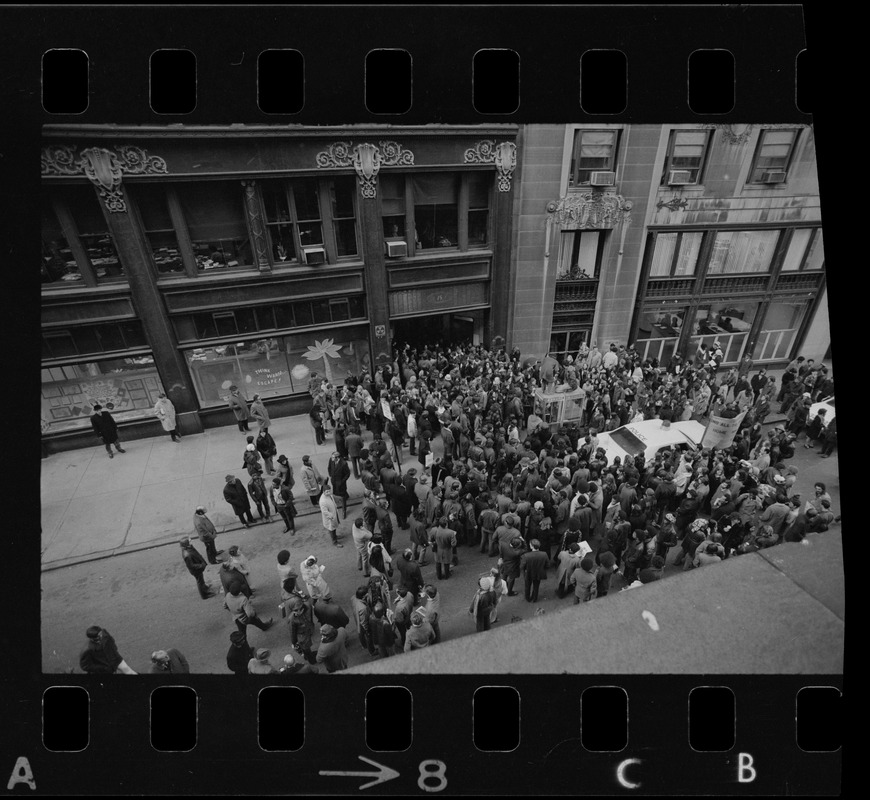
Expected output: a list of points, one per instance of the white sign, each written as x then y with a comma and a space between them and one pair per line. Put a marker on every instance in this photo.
721, 431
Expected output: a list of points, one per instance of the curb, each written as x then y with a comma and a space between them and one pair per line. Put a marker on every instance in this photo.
50, 566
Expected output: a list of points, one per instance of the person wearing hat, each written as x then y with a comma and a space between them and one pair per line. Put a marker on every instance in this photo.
206, 531
332, 652
509, 562
312, 576
251, 457
106, 428
533, 565
259, 664
239, 654
229, 574
259, 493
282, 499
259, 413
170, 660
237, 497
293, 667
101, 656
300, 624
482, 604
239, 405
419, 634
196, 565
409, 570
339, 475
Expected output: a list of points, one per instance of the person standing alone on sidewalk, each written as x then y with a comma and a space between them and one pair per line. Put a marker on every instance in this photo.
165, 412
106, 428
237, 497
239, 405
195, 564
207, 533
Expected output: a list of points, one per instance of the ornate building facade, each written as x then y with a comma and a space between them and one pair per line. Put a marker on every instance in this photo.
667, 237
188, 259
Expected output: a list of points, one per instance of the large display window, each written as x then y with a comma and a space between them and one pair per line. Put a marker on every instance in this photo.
659, 331
779, 330
726, 323
126, 387
741, 252
279, 365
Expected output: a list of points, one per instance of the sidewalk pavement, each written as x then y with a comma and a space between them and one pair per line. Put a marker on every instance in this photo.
95, 507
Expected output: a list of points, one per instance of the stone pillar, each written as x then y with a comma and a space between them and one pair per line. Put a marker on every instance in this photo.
255, 225
376, 280
134, 255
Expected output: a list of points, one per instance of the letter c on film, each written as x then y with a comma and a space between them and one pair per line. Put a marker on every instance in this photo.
620, 773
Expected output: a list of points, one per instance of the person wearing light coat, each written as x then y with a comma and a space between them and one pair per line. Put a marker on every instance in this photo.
329, 515
165, 412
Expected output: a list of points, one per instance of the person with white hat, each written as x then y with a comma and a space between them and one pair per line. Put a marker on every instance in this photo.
293, 667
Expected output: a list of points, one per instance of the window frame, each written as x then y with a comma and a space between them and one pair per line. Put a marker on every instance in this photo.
751, 180
815, 232
675, 258
599, 251
669, 155
574, 169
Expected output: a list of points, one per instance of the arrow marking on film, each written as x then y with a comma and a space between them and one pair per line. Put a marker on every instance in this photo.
383, 774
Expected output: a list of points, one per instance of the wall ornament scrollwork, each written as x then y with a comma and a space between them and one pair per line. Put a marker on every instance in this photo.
366, 159
503, 155
593, 210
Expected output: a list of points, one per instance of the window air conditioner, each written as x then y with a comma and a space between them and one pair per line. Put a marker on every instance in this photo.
679, 177
774, 176
314, 255
396, 248
602, 179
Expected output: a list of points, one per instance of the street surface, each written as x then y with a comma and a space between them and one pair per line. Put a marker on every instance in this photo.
147, 600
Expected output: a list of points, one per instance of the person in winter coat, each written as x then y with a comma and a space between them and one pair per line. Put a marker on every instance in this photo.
106, 428
411, 575
584, 580
285, 472
101, 656
339, 474
282, 499
312, 575
312, 481
315, 416
239, 405
230, 574
482, 604
265, 445
329, 515
300, 624
509, 561
259, 413
420, 633
207, 533
239, 654
237, 497
259, 494
196, 565
170, 660
568, 560
332, 652
443, 541
165, 412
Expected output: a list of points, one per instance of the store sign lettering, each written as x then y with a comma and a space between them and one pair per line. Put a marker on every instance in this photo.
270, 377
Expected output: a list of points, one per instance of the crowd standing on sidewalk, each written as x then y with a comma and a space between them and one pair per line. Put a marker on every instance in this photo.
542, 503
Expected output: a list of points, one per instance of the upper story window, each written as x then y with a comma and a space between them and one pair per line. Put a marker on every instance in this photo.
676, 254
687, 154
297, 226
436, 209
594, 151
773, 156
479, 186
215, 216
159, 227
805, 251
580, 255
77, 247
738, 252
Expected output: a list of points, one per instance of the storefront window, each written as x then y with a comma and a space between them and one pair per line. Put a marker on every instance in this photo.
126, 387
436, 210
739, 252
392, 191
159, 230
726, 323
277, 366
478, 208
779, 330
93, 230
214, 212
676, 254
58, 263
659, 331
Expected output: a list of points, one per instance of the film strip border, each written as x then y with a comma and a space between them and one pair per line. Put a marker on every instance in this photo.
460, 734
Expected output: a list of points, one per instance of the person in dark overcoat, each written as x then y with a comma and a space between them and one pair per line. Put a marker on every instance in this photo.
229, 574
509, 561
533, 564
106, 428
339, 474
196, 565
400, 502
236, 495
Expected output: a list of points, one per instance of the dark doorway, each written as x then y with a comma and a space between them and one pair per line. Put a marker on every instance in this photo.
443, 329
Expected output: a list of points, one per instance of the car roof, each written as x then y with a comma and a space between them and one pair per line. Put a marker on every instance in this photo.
654, 434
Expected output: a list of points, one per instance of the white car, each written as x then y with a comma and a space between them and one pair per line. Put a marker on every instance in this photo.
828, 404
649, 437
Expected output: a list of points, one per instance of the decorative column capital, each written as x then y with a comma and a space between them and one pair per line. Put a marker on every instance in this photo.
102, 167
366, 159
503, 155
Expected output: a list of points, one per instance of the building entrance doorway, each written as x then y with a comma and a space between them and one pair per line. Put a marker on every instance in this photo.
443, 329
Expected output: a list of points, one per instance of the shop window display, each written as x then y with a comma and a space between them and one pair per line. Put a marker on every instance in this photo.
727, 323
277, 366
127, 387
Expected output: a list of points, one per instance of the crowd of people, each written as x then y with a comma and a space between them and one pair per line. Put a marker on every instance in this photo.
541, 500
